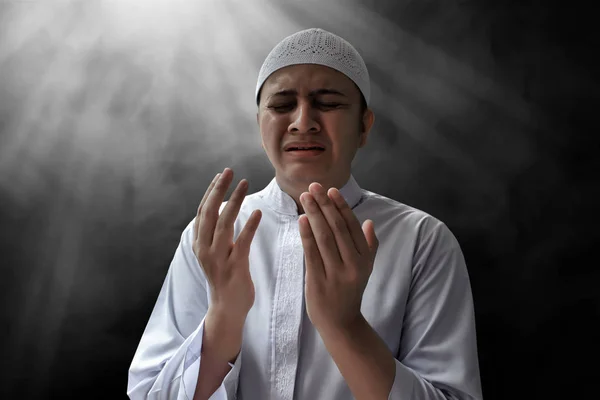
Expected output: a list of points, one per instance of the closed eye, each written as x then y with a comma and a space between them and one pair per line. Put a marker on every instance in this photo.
289, 107
329, 105
282, 108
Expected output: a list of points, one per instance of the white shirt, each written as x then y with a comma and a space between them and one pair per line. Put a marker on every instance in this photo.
418, 299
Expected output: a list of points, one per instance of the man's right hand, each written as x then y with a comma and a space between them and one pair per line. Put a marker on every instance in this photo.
225, 263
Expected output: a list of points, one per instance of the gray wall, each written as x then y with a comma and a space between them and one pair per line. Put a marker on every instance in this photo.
115, 115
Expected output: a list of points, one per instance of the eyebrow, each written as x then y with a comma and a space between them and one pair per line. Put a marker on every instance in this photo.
293, 92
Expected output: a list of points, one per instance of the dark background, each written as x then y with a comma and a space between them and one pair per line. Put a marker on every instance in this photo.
114, 116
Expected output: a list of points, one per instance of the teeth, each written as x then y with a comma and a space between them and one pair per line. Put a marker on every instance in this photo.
305, 148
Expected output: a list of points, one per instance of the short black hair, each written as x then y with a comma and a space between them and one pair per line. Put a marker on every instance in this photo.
361, 114
363, 104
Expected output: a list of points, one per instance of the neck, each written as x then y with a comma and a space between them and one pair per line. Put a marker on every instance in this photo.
296, 188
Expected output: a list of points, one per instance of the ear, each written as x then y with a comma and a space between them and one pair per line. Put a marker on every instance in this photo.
367, 123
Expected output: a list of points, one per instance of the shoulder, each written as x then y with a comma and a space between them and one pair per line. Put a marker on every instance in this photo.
423, 226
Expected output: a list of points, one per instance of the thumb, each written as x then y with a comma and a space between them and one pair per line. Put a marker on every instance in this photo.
369, 230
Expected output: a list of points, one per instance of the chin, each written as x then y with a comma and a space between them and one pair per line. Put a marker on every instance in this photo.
307, 179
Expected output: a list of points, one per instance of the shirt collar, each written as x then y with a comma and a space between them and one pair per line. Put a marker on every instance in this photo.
283, 203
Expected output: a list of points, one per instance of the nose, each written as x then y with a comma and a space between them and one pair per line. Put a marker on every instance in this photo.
303, 119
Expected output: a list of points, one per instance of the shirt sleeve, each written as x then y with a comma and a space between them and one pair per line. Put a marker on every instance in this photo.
438, 350
167, 360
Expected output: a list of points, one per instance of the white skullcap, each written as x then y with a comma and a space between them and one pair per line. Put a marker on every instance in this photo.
317, 46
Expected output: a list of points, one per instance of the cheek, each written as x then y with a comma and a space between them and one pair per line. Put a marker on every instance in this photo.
271, 138
344, 136
273, 131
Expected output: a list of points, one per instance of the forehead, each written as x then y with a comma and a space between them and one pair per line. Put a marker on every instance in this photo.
307, 76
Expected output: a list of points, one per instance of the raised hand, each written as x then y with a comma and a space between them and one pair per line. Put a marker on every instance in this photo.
225, 263
339, 258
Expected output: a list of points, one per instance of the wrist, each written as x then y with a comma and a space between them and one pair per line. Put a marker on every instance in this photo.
223, 334
344, 331
225, 318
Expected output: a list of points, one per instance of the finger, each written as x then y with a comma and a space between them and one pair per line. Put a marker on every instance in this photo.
345, 244
353, 224
314, 262
206, 193
210, 209
369, 230
242, 244
224, 228
321, 231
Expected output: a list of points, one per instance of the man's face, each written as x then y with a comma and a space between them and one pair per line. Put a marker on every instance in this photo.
312, 105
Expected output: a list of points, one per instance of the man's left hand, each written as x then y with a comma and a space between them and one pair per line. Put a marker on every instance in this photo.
339, 259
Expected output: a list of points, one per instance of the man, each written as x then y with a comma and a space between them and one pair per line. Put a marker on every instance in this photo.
324, 293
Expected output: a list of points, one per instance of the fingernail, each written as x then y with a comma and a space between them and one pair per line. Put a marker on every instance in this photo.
307, 198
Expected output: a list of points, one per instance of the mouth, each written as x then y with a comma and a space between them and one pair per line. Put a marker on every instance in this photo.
305, 152
302, 149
